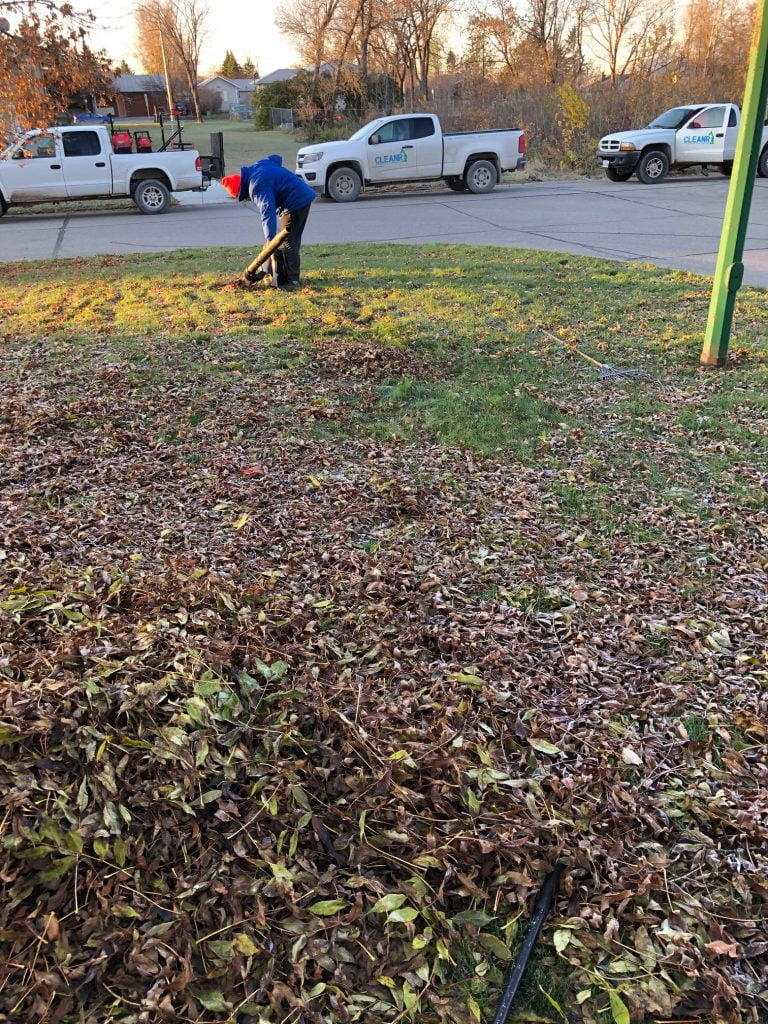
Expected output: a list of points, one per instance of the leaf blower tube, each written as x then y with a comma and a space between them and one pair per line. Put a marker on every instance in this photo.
540, 911
253, 273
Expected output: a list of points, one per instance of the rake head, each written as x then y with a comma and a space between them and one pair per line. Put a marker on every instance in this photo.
608, 372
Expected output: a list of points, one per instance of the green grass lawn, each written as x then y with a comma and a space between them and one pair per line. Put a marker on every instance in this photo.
242, 143
330, 620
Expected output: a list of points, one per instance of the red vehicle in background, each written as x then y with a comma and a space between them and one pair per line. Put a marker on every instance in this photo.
178, 110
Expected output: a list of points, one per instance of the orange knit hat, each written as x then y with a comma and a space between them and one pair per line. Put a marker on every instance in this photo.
232, 184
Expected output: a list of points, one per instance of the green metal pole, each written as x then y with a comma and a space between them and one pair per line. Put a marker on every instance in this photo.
729, 272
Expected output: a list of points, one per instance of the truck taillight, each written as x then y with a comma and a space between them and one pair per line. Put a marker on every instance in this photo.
198, 164
522, 142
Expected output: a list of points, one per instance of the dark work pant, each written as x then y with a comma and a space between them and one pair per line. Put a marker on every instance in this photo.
288, 256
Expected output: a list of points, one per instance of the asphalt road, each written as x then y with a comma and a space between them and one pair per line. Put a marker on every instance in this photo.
675, 224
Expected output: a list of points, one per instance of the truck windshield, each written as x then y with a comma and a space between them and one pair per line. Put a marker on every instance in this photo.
362, 132
18, 142
674, 118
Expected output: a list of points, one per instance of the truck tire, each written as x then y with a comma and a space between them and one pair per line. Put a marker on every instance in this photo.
3, 207
151, 196
727, 168
456, 184
762, 164
613, 175
653, 167
481, 177
344, 185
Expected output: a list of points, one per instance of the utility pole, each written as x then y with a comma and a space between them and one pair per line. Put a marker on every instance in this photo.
165, 70
729, 271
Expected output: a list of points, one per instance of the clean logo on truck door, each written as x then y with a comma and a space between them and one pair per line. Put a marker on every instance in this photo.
392, 158
710, 139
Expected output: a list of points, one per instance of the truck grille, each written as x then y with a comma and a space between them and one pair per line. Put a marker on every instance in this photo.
609, 145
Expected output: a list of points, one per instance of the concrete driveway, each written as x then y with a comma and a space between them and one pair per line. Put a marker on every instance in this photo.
675, 224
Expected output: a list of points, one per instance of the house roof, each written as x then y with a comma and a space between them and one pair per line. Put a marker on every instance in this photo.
243, 84
330, 67
139, 83
281, 75
327, 67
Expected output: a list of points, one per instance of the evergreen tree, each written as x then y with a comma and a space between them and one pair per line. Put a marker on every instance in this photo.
230, 68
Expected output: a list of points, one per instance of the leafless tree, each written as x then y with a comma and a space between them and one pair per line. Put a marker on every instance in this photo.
184, 26
555, 27
541, 40
309, 26
149, 52
618, 30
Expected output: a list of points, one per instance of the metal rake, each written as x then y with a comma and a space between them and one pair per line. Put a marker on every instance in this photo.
607, 372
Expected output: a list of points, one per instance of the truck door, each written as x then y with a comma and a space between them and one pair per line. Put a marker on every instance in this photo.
34, 171
87, 170
391, 153
702, 139
410, 147
731, 132
428, 144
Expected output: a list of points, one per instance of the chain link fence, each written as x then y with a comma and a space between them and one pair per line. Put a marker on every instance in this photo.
241, 112
282, 117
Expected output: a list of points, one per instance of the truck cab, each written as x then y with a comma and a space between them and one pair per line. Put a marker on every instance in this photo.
695, 133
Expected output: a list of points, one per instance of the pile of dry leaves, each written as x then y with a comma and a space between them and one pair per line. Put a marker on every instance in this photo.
292, 730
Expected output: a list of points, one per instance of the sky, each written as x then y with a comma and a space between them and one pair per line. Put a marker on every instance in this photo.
245, 28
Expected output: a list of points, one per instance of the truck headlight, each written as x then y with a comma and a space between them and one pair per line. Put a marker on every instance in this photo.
312, 158
628, 147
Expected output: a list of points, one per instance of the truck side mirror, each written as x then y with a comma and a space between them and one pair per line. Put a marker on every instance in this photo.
694, 124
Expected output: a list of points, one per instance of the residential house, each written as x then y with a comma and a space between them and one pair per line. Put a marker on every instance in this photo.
139, 95
281, 75
327, 67
233, 91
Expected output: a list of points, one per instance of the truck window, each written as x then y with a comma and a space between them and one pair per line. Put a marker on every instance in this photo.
392, 131
712, 117
81, 144
674, 118
423, 127
39, 148
732, 118
404, 130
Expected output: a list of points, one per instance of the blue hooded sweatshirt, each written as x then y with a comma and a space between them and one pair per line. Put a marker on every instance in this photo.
274, 189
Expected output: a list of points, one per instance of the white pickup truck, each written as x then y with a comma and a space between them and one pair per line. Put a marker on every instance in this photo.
410, 147
696, 134
77, 162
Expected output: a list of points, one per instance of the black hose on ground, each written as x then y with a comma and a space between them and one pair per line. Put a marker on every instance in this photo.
540, 911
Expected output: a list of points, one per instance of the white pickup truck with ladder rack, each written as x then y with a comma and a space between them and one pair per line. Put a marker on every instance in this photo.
77, 162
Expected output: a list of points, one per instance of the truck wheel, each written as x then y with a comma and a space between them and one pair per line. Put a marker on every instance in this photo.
727, 168
456, 184
344, 185
151, 196
613, 175
3, 207
481, 177
762, 164
653, 167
